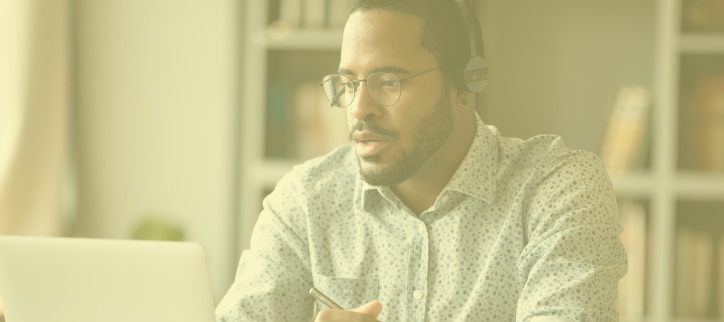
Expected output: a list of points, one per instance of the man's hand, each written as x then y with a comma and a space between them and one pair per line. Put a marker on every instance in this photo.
364, 313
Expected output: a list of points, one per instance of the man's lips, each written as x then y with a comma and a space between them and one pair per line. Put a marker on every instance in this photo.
369, 143
370, 148
368, 136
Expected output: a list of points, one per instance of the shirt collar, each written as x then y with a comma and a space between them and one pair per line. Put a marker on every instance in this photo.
476, 174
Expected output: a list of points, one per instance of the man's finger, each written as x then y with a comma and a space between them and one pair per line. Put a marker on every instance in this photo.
371, 308
337, 315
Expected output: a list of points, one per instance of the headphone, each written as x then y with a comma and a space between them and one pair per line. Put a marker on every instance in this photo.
471, 73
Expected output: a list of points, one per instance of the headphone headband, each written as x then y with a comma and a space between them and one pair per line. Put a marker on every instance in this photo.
468, 24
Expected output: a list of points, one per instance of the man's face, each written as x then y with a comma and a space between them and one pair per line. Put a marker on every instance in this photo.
392, 142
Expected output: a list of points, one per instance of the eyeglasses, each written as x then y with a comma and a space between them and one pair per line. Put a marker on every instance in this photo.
340, 90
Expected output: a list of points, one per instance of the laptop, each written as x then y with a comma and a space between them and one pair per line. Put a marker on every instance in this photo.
94, 280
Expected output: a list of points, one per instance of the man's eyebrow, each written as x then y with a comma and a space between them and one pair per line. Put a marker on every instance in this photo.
383, 69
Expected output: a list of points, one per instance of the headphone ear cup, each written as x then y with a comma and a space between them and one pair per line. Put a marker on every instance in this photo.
471, 74
460, 75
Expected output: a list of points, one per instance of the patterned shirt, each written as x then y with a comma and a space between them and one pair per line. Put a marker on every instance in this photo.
524, 231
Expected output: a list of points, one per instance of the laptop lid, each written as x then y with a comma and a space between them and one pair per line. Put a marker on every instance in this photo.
91, 280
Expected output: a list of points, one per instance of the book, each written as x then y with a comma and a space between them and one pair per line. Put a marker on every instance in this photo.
630, 303
273, 11
338, 13
703, 15
318, 128
626, 130
277, 129
290, 12
710, 130
721, 277
694, 254
702, 253
683, 288
313, 17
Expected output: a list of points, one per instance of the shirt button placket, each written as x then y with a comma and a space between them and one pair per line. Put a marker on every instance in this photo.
417, 295
421, 228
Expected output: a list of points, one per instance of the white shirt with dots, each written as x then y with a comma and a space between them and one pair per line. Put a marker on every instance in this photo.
526, 230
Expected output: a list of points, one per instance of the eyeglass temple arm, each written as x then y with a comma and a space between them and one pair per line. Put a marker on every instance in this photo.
418, 74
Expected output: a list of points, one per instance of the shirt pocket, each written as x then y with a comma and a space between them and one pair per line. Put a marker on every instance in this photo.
348, 292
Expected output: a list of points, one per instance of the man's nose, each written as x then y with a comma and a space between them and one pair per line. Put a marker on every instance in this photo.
363, 105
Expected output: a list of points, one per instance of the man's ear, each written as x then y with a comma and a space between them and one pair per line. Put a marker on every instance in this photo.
459, 98
464, 99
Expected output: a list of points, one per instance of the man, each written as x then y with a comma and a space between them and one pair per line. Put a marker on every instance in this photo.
429, 215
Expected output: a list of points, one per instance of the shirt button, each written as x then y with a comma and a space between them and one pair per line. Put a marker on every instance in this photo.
445, 199
417, 295
421, 227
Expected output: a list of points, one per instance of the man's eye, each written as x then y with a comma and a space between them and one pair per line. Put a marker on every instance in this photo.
349, 86
388, 84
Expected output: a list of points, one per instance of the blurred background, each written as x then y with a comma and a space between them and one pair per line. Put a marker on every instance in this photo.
171, 120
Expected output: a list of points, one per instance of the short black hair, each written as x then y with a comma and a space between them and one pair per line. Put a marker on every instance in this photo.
444, 32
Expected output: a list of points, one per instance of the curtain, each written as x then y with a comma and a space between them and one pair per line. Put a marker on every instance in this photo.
34, 104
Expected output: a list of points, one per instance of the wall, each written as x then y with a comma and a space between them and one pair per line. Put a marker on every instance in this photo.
155, 100
556, 65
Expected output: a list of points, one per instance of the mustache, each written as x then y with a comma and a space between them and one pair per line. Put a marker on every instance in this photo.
372, 127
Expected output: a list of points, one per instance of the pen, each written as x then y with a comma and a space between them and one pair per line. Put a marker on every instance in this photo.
317, 294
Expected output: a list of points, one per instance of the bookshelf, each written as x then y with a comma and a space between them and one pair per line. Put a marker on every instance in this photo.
663, 187
674, 188
266, 47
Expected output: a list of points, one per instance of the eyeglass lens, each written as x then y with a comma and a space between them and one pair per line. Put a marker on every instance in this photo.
340, 90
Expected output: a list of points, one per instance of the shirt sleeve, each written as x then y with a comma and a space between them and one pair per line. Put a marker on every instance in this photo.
549, 319
274, 277
574, 258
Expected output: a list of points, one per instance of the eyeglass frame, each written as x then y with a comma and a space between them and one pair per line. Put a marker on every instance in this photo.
357, 81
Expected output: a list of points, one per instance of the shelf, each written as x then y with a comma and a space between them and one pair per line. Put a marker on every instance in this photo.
690, 185
693, 185
298, 39
702, 43
635, 184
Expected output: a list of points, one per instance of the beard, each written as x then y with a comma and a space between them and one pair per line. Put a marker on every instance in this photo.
429, 135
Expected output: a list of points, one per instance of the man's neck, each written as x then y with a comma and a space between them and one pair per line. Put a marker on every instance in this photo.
420, 191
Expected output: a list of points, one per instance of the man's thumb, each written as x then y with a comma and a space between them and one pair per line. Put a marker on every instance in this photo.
371, 308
